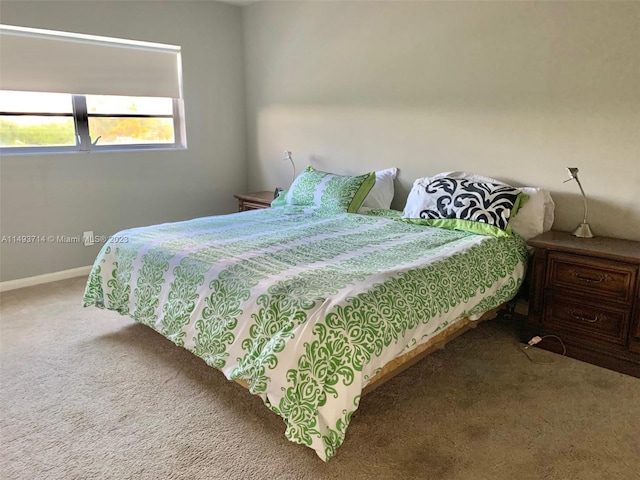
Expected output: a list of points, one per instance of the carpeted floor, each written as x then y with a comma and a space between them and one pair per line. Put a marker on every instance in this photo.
88, 394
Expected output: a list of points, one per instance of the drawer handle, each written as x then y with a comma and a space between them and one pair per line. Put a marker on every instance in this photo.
582, 317
589, 279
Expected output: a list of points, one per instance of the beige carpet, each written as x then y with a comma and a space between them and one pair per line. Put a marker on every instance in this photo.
88, 394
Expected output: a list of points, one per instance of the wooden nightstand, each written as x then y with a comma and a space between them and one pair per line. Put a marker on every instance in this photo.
254, 201
587, 292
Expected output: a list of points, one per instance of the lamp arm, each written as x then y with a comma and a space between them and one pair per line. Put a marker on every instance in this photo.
287, 156
584, 198
293, 166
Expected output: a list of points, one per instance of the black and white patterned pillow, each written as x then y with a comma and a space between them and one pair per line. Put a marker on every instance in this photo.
460, 199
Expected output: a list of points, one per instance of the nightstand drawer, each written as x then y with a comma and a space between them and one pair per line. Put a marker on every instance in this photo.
252, 206
604, 278
254, 201
597, 322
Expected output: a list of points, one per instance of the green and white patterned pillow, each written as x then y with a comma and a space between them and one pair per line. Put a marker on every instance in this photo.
327, 191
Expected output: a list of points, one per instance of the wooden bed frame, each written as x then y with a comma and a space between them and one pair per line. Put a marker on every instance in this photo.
438, 342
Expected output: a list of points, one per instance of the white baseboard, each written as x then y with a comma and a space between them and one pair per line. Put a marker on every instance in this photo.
46, 278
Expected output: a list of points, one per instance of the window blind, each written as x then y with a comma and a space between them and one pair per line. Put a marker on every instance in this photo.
38, 60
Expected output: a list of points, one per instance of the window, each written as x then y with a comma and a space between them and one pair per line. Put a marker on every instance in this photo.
129, 120
36, 121
69, 92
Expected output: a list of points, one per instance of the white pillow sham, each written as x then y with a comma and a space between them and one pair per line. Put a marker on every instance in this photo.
381, 195
533, 218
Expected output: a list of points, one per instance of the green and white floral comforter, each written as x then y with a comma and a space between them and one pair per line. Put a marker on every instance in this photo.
304, 307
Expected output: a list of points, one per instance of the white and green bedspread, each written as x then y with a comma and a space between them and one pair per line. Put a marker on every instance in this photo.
304, 307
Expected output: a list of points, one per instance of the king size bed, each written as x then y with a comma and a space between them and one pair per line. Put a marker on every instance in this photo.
308, 305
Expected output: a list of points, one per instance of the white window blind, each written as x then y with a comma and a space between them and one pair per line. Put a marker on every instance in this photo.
38, 60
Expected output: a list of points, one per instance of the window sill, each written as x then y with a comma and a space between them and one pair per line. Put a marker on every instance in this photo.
10, 152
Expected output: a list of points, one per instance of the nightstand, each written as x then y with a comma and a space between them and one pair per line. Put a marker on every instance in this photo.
254, 201
587, 292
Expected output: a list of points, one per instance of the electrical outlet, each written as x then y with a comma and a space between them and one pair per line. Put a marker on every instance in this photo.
87, 238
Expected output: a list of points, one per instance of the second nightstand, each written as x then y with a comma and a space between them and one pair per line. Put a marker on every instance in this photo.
254, 201
587, 292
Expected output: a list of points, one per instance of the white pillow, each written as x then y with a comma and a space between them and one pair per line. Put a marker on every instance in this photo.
534, 218
529, 221
381, 195
549, 211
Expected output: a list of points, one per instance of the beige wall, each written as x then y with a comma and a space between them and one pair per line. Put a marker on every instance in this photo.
514, 90
107, 192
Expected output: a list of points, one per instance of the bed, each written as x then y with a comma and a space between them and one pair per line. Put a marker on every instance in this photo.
307, 307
